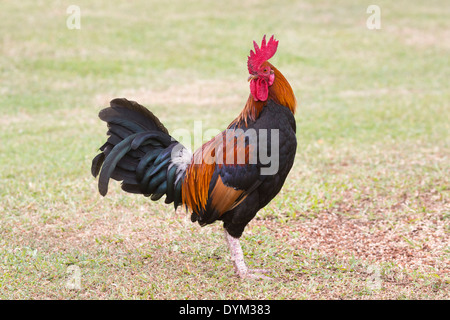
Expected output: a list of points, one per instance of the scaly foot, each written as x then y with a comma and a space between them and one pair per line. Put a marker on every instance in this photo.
238, 259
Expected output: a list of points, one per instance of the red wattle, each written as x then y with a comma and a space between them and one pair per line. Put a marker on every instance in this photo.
259, 89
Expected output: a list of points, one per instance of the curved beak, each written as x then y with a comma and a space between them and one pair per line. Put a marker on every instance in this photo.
252, 77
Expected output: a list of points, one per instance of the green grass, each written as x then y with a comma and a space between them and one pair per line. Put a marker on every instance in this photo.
369, 189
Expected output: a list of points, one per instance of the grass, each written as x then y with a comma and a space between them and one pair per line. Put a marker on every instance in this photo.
364, 214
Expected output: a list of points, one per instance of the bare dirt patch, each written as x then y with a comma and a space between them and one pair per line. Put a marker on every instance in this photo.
414, 245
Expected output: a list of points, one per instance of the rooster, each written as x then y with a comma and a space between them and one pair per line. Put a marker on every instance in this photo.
230, 178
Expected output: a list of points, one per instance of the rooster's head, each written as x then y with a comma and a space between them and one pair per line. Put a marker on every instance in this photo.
261, 73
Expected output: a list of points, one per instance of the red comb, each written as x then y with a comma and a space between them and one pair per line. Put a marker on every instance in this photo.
261, 54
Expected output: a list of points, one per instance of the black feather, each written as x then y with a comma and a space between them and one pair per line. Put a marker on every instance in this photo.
160, 191
131, 188
158, 158
113, 139
110, 163
133, 112
128, 177
161, 139
145, 160
128, 163
149, 186
153, 170
125, 124
170, 184
137, 153
119, 130
177, 194
97, 164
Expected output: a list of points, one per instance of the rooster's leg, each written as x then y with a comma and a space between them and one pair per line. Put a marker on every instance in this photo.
238, 259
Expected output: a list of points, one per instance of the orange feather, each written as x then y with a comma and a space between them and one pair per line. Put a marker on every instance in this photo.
224, 198
226, 148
